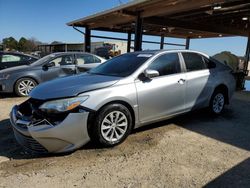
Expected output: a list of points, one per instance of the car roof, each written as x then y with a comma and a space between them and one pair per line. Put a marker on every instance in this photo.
174, 51
70, 53
62, 53
17, 53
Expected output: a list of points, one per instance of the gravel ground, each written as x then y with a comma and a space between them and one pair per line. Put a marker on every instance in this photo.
192, 150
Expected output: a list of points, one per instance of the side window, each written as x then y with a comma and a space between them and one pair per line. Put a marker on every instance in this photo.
193, 61
62, 60
166, 64
26, 58
10, 58
84, 59
209, 63
96, 59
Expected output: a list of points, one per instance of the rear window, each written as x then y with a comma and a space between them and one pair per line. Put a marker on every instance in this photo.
10, 58
193, 61
86, 59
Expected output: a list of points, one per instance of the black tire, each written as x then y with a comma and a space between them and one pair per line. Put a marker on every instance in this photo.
19, 83
217, 102
96, 132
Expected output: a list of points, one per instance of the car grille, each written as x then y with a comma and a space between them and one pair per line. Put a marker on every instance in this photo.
29, 143
30, 114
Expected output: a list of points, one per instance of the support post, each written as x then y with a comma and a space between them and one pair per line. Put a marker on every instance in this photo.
247, 58
240, 76
187, 43
162, 42
129, 42
66, 48
138, 33
87, 39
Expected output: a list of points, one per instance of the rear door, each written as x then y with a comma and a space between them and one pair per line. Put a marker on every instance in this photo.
164, 95
86, 62
197, 80
62, 66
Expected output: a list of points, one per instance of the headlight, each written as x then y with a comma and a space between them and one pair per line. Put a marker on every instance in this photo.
4, 76
62, 105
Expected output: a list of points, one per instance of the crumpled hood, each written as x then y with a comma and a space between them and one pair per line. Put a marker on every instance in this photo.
71, 86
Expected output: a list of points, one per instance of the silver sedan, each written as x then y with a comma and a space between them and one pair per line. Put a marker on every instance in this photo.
126, 92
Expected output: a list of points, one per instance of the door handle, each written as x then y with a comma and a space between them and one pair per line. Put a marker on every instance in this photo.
181, 81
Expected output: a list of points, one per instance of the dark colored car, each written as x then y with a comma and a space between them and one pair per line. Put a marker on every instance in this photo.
13, 59
23, 79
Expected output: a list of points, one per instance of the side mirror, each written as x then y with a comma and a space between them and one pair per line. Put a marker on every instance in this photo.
149, 73
50, 64
47, 65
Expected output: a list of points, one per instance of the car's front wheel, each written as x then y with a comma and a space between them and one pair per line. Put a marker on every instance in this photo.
112, 125
24, 86
217, 102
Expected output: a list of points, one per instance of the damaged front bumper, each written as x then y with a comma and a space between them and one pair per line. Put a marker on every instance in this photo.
43, 136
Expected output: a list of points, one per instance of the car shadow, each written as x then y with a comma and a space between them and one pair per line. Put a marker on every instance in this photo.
8, 145
238, 176
231, 127
7, 95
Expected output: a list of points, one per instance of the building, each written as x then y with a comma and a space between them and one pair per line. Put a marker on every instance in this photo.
117, 46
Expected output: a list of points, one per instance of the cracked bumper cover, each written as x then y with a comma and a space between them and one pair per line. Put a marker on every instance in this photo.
68, 135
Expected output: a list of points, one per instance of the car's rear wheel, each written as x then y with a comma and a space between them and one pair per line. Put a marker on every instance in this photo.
112, 125
217, 102
24, 86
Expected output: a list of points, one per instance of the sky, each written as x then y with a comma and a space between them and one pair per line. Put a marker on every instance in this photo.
46, 21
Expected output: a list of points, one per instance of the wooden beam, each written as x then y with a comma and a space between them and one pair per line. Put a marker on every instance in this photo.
179, 6
195, 26
226, 7
111, 21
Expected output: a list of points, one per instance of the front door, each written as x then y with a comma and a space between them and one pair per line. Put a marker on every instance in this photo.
59, 67
164, 95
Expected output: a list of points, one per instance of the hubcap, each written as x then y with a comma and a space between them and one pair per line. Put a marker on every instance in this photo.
25, 87
218, 103
114, 126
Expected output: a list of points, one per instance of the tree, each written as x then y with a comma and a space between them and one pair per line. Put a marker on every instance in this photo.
10, 43
23, 44
33, 43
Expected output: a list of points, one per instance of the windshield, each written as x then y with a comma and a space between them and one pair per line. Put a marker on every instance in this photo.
42, 60
121, 66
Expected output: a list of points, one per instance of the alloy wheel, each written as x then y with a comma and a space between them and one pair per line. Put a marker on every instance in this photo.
25, 86
114, 126
218, 103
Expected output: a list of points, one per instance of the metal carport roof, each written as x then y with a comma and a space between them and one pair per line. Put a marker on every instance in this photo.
175, 18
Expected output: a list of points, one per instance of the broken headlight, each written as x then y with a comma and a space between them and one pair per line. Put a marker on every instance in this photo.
62, 105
